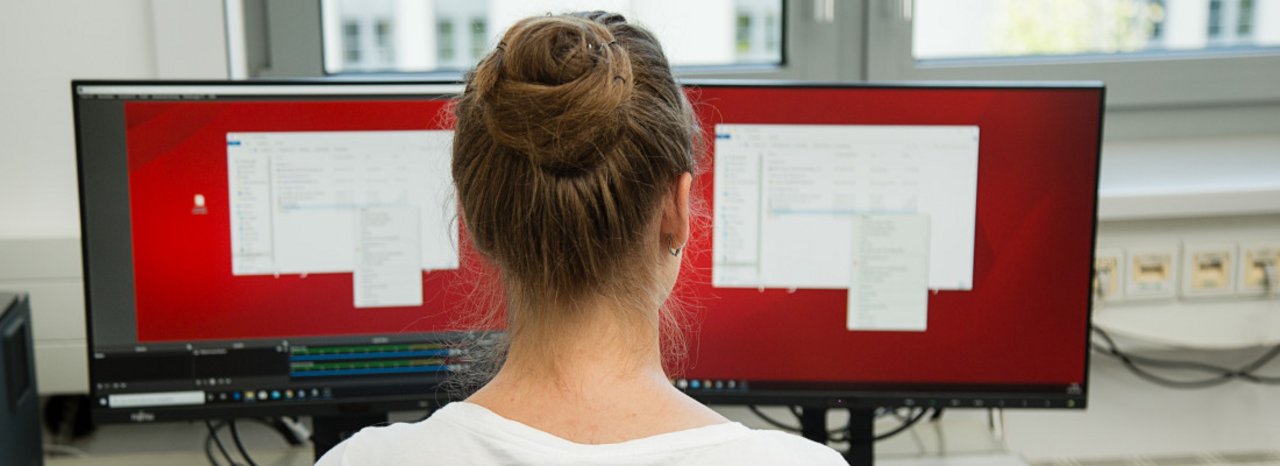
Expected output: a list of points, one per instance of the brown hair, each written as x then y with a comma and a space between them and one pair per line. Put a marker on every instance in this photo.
570, 134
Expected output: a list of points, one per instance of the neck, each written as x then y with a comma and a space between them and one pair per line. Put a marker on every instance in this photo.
607, 348
594, 380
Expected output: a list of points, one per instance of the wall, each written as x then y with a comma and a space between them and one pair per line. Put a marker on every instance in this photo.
47, 44
41, 55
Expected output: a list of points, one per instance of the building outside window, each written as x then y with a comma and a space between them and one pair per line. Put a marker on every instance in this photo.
1244, 19
351, 43
447, 52
1155, 13
440, 35
383, 40
1021, 28
1215, 19
742, 34
479, 39
772, 34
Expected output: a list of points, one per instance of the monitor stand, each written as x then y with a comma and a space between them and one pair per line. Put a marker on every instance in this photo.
813, 426
329, 430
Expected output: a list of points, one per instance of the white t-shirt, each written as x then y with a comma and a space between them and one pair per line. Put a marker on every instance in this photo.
463, 433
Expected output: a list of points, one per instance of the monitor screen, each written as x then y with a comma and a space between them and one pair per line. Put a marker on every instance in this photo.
293, 247
896, 245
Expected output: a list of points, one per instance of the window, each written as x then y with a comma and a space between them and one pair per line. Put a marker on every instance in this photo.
742, 34
1147, 52
1244, 19
1156, 11
712, 33
772, 34
1215, 19
1015, 28
479, 39
351, 43
382, 37
447, 52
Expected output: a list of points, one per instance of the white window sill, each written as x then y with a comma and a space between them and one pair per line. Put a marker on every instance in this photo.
1190, 178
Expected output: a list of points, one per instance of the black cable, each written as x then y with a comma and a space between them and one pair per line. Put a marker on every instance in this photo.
782, 425
1221, 374
208, 451
937, 414
213, 435
905, 425
235, 436
774, 422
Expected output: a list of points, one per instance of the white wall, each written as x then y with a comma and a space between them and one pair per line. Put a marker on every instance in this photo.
49, 43
46, 45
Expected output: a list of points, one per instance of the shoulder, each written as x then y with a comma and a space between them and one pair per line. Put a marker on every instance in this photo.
399, 443
779, 448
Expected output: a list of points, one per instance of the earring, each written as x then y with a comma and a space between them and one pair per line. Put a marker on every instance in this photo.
671, 247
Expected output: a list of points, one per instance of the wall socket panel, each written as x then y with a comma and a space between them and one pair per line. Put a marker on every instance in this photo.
1193, 270
1208, 269
1151, 272
1259, 262
1109, 273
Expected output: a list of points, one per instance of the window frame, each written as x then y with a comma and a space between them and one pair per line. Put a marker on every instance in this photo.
840, 41
1134, 81
812, 33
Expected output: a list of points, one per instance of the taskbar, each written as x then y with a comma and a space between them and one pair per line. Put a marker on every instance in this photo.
838, 394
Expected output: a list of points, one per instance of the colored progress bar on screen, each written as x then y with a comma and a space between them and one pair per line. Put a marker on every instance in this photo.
333, 361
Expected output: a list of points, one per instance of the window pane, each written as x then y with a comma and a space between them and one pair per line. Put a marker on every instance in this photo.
995, 28
430, 35
444, 40
479, 37
382, 36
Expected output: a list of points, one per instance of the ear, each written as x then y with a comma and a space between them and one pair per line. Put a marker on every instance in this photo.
675, 214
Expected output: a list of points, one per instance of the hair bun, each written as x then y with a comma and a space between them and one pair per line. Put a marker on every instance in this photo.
554, 90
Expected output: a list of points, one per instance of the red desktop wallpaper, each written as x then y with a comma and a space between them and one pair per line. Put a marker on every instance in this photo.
1024, 321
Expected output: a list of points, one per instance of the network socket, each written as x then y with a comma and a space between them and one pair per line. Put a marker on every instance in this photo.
1208, 269
1259, 264
1151, 272
1108, 274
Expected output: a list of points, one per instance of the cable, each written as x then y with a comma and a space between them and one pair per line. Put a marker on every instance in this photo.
235, 436
774, 422
784, 426
1220, 374
213, 436
208, 451
937, 414
905, 425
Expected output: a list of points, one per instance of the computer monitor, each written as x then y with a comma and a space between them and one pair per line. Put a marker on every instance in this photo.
258, 248
895, 245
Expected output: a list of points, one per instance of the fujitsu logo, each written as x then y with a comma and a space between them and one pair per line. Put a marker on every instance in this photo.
142, 416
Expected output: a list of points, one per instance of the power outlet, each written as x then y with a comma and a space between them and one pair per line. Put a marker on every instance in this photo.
1151, 272
1208, 269
1108, 274
1259, 263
